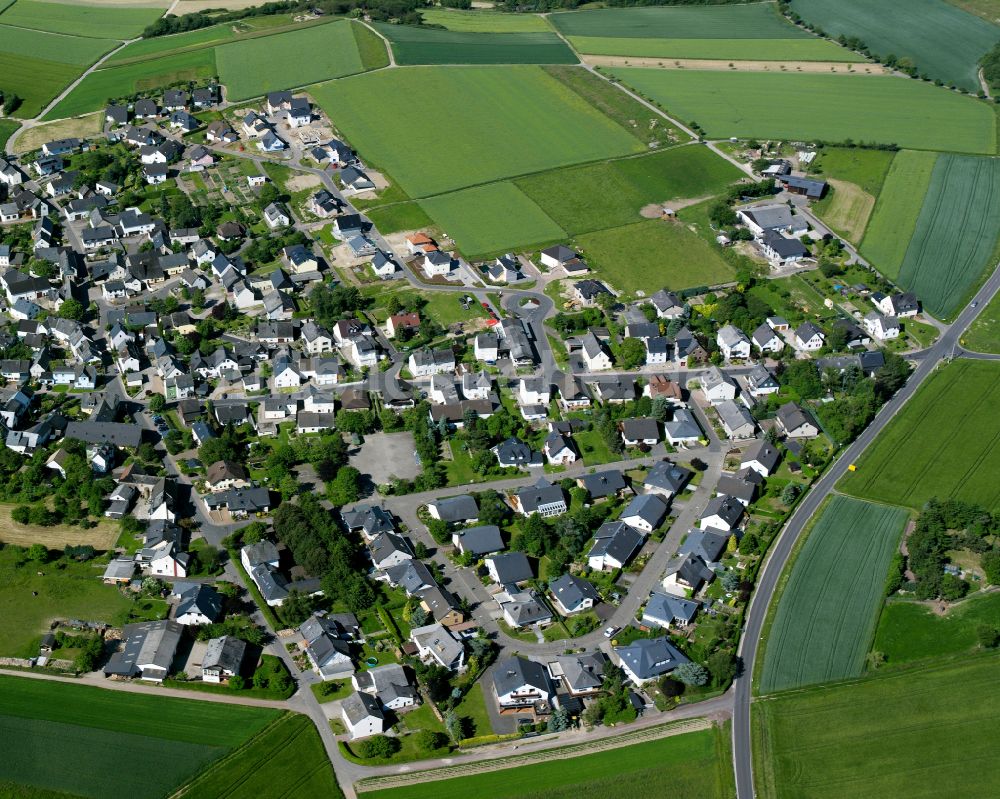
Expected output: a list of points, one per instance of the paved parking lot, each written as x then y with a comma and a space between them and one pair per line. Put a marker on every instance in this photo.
384, 455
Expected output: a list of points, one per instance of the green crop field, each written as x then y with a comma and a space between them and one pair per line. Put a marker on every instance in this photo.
593, 197
956, 233
286, 760
29, 602
332, 49
827, 612
513, 120
492, 219
178, 42
984, 335
63, 49
694, 764
896, 211
830, 107
718, 49
100, 22
168, 741
652, 254
98, 87
373, 51
945, 442
921, 735
910, 631
916, 30
484, 21
413, 45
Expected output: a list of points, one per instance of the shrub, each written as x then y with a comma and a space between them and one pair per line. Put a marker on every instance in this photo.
378, 746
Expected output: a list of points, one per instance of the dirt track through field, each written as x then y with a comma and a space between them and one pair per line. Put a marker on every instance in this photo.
718, 65
543, 756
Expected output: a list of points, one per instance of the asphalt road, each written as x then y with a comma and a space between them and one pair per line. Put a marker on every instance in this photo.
946, 347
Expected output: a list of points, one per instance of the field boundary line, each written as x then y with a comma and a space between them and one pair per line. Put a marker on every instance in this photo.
533, 758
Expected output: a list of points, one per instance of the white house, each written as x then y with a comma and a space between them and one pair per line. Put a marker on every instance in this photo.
808, 337
718, 386
733, 343
362, 715
881, 327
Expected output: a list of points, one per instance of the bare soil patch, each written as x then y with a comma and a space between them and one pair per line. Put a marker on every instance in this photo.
717, 65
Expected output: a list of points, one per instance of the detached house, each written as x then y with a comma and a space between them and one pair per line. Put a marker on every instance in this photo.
795, 422
521, 685
733, 343
808, 337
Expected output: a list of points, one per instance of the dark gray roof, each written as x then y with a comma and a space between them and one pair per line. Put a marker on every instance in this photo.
454, 509
708, 545
763, 451
359, 706
481, 540
650, 657
726, 508
651, 508
667, 475
224, 653
604, 484
667, 607
541, 493
514, 673
119, 434
616, 540
641, 429
411, 576
512, 567
571, 590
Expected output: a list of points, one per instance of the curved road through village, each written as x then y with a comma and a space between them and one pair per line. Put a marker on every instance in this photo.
947, 346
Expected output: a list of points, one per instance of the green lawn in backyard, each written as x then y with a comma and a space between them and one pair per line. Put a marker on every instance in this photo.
79, 19
909, 631
444, 306
479, 21
418, 45
984, 334
593, 197
715, 49
762, 105
649, 255
828, 609
915, 32
593, 448
945, 442
398, 217
955, 240
694, 764
919, 734
7, 128
492, 219
333, 52
168, 740
895, 217
642, 122
545, 124
98, 87
340, 689
472, 711
289, 754
73, 592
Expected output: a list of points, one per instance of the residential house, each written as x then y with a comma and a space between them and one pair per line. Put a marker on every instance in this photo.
808, 337
573, 594
521, 685
223, 659
761, 457
682, 430
642, 432
478, 541
765, 339
795, 422
718, 386
461, 509
615, 544
647, 659
736, 420
559, 450
362, 715
436, 645
543, 498
733, 343
645, 512
509, 569
722, 513
669, 611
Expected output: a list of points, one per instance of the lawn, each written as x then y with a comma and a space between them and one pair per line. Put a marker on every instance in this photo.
78, 19
413, 45
492, 219
649, 255
645, 124
956, 233
984, 334
29, 601
7, 128
372, 49
593, 197
98, 87
910, 631
829, 107
288, 759
333, 53
484, 21
398, 217
545, 124
168, 740
444, 306
715, 49
945, 442
914, 31
827, 611
694, 764
472, 710
896, 211
922, 734
856, 176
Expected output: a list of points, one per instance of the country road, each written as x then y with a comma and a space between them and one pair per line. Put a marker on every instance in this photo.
946, 347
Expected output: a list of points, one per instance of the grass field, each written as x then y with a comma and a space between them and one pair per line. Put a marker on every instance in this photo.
29, 601
95, 21
830, 107
545, 124
413, 45
484, 21
491, 219
7, 128
987, 9
286, 760
956, 233
944, 443
910, 631
755, 21
922, 735
102, 537
372, 50
716, 49
856, 176
827, 612
98, 87
61, 48
178, 42
80, 127
332, 49
597, 196
686, 766
895, 218
913, 31
652, 254
168, 741
402, 216
984, 335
